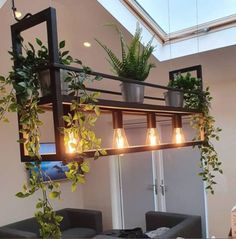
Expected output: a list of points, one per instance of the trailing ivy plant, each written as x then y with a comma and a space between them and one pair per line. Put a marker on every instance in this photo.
210, 163
19, 92
78, 122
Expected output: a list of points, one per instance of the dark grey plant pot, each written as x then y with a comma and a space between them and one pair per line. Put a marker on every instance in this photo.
174, 98
45, 82
132, 92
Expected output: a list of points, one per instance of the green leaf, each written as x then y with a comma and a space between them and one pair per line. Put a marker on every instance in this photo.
39, 42
39, 205
62, 44
73, 187
85, 167
54, 195
64, 53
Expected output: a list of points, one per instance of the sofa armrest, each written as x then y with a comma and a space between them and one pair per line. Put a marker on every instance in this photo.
85, 218
14, 233
189, 228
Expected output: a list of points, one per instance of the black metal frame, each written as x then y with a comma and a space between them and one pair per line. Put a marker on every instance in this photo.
197, 68
49, 16
58, 102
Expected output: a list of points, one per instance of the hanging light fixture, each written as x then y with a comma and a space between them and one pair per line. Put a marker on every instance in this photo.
178, 135
71, 143
58, 104
17, 15
152, 134
119, 138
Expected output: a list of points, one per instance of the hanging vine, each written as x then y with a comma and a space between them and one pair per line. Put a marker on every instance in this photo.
19, 92
209, 161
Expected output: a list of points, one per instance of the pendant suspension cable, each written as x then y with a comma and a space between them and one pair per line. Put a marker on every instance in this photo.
197, 22
17, 15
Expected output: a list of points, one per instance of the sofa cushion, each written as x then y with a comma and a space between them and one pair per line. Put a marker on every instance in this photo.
78, 232
14, 233
159, 231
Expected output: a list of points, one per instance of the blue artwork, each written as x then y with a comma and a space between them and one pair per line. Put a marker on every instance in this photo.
54, 169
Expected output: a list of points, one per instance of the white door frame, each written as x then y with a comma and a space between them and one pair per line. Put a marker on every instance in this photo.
117, 190
116, 183
160, 181
116, 193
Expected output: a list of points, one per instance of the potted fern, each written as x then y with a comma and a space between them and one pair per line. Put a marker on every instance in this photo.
134, 64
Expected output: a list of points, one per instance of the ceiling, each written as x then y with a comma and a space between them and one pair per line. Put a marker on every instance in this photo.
185, 26
172, 16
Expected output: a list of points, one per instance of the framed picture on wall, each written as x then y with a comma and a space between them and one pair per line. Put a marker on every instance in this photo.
54, 169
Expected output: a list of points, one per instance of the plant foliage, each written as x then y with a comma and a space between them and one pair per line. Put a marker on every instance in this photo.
134, 61
210, 163
19, 92
78, 122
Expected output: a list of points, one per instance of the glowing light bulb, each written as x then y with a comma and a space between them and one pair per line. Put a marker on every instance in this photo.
152, 137
178, 136
119, 139
71, 144
18, 14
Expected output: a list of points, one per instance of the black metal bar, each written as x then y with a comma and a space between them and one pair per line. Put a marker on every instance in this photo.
117, 78
138, 107
17, 49
55, 80
32, 21
133, 149
118, 93
49, 16
45, 157
197, 68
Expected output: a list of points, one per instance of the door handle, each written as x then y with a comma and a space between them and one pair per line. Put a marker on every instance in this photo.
153, 187
163, 188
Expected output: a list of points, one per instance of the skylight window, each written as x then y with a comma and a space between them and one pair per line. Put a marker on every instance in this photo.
2, 2
172, 15
181, 27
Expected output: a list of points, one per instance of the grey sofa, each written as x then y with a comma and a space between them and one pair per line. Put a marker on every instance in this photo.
76, 223
181, 225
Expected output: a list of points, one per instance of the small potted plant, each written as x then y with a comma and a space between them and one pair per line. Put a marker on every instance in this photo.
38, 58
134, 64
183, 82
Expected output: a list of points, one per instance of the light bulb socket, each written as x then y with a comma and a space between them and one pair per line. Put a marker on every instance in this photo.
117, 118
151, 120
177, 121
